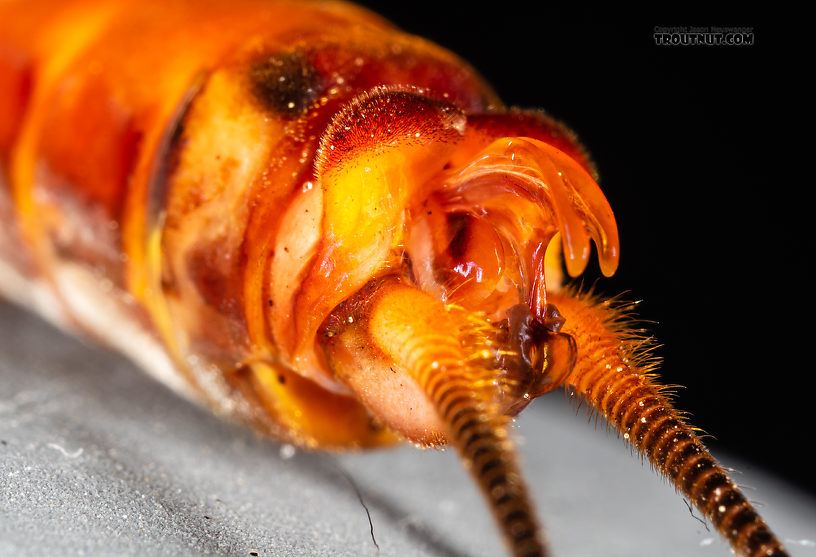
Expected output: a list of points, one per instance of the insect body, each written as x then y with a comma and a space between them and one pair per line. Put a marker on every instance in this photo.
325, 228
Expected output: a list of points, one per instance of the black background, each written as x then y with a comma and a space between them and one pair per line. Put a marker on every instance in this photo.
696, 148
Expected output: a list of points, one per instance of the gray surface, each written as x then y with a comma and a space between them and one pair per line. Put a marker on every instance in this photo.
96, 459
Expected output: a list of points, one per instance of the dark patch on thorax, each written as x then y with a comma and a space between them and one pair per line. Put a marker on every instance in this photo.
286, 82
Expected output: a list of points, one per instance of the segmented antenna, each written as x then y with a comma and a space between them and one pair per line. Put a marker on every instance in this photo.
479, 431
614, 374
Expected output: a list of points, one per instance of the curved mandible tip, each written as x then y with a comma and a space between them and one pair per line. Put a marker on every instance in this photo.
578, 202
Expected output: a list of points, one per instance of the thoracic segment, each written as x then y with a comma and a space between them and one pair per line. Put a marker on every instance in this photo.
613, 374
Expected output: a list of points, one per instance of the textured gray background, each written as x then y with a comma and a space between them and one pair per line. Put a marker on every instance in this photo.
96, 459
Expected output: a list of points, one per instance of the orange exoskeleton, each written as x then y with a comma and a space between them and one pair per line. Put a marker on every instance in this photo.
325, 228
